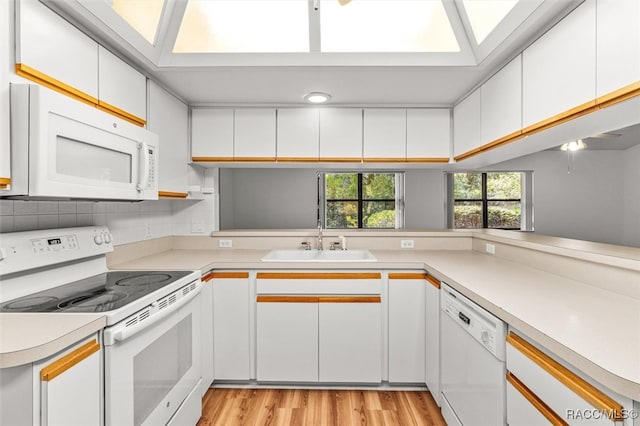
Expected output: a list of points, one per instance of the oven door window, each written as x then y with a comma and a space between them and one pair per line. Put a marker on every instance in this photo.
160, 366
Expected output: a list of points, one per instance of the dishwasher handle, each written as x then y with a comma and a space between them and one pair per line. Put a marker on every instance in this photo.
465, 319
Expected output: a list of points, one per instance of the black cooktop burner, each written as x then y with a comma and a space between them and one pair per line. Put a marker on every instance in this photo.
99, 293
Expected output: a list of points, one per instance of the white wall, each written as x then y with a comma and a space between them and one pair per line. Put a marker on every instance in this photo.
425, 199
631, 194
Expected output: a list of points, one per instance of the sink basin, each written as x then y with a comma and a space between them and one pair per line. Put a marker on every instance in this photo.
319, 256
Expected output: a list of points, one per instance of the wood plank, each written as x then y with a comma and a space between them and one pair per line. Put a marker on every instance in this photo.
349, 299
318, 275
225, 275
407, 275
287, 299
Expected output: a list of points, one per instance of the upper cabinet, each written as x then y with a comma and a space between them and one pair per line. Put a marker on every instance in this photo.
341, 134
466, 125
120, 86
212, 134
254, 134
385, 134
559, 69
298, 134
501, 103
617, 45
5, 149
169, 119
428, 135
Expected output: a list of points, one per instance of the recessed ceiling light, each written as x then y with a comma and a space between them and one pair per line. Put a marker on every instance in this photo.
573, 146
317, 97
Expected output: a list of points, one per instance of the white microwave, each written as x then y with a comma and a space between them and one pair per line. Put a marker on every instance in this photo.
62, 148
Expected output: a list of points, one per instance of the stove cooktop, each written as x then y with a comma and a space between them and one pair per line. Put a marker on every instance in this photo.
99, 293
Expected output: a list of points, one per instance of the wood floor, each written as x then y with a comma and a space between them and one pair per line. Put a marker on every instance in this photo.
302, 407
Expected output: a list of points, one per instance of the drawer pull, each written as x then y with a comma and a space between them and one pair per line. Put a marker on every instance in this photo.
539, 404
63, 364
580, 387
408, 276
319, 275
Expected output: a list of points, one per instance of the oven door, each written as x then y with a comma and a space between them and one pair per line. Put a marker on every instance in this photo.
150, 373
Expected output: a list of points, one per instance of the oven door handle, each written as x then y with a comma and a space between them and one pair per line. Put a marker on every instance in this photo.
120, 335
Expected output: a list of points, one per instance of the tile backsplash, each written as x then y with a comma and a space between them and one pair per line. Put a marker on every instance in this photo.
128, 221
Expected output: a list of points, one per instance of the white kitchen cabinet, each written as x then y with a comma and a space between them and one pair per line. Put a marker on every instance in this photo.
522, 412
5, 49
407, 327
231, 341
169, 119
50, 45
559, 69
432, 339
341, 134
121, 86
70, 385
617, 45
385, 134
254, 134
287, 339
298, 134
428, 134
206, 329
537, 376
350, 341
211, 134
466, 124
501, 103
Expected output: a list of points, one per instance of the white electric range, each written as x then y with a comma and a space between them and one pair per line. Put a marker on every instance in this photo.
152, 364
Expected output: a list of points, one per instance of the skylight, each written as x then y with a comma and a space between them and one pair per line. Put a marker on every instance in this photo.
142, 15
485, 15
247, 26
386, 26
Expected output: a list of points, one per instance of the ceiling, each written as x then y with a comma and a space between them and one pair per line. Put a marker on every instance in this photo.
435, 71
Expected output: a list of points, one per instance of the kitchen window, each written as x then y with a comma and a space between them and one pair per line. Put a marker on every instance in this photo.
498, 200
361, 200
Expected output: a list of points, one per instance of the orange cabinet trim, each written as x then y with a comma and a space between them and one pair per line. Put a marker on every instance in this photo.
627, 92
491, 145
384, 160
61, 365
221, 275
408, 276
297, 159
580, 387
534, 400
434, 281
563, 117
340, 160
212, 159
114, 110
254, 159
50, 82
287, 299
349, 299
169, 194
427, 160
319, 275
4, 182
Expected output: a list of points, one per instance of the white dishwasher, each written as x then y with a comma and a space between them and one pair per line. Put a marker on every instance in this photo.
472, 362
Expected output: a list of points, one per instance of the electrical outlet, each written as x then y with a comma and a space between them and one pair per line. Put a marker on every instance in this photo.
225, 243
147, 230
406, 244
197, 226
490, 248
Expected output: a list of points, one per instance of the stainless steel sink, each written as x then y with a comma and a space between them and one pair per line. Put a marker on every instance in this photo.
319, 256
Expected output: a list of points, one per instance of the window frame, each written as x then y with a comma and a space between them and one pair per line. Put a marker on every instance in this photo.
398, 200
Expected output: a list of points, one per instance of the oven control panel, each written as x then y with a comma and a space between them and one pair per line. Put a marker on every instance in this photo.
54, 244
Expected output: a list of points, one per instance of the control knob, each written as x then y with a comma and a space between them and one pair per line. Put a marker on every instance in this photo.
98, 239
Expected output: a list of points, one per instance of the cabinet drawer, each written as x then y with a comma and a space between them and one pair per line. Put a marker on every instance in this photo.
318, 282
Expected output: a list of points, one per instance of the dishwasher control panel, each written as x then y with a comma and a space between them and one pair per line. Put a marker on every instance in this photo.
483, 326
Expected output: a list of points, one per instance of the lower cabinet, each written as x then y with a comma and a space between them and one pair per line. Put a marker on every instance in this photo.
207, 332
231, 329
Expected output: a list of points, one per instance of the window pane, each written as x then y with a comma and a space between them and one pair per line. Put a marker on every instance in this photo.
342, 214
341, 186
379, 214
378, 186
504, 214
467, 186
142, 15
467, 214
504, 186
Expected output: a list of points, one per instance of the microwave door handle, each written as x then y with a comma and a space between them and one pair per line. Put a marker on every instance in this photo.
144, 178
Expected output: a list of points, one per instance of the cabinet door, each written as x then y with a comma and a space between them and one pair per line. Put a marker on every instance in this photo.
231, 327
121, 86
406, 328
432, 339
207, 333
501, 103
211, 134
618, 45
341, 134
350, 340
287, 339
466, 125
385, 134
298, 134
48, 44
169, 119
559, 68
71, 386
5, 145
428, 134
254, 134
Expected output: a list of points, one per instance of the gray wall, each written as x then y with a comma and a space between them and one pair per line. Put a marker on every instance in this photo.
631, 220
286, 199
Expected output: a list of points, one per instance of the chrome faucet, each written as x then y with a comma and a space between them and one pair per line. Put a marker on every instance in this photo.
319, 234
